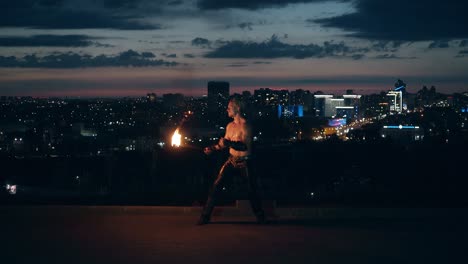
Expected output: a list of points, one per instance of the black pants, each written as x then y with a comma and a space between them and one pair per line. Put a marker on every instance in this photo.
243, 166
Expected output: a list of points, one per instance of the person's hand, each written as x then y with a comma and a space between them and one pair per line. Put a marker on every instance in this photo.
222, 142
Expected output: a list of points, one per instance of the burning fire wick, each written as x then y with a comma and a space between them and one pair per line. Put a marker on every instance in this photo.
176, 138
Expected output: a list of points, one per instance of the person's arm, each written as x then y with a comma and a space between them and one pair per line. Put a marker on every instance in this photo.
219, 146
236, 145
212, 148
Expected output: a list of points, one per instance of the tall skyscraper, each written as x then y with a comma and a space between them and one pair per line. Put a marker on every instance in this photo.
321, 102
218, 96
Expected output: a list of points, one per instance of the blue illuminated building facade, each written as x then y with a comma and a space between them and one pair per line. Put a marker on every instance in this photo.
290, 111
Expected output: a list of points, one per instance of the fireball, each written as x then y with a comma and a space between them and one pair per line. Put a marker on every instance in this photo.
176, 138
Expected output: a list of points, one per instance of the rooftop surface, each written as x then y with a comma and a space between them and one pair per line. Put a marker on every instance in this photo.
137, 234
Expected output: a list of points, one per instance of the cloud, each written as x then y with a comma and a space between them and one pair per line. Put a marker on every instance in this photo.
175, 2
250, 4
118, 4
147, 54
202, 42
273, 48
47, 40
357, 56
392, 56
245, 25
386, 46
74, 60
463, 43
462, 54
439, 44
221, 42
403, 20
97, 44
236, 65
70, 14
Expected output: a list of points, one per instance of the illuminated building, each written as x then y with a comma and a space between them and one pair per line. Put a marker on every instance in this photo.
331, 105
345, 112
352, 101
396, 103
348, 106
301, 97
321, 101
402, 133
269, 97
290, 111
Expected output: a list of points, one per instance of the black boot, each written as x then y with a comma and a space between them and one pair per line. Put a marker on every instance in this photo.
261, 219
204, 219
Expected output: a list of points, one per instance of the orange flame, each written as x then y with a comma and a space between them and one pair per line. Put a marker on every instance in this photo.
176, 138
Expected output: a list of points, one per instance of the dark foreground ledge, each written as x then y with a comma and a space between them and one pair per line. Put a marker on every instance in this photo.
163, 234
242, 209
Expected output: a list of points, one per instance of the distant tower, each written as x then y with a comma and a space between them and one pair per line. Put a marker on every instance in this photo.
396, 103
218, 96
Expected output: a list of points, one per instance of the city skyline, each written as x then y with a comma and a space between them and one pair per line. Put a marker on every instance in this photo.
130, 48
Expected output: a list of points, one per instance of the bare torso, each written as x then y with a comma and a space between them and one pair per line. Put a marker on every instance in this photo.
238, 130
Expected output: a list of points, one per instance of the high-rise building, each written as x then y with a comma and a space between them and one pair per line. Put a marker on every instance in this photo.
353, 101
321, 101
396, 101
173, 101
218, 97
328, 106
331, 105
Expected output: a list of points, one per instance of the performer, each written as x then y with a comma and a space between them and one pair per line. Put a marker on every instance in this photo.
238, 139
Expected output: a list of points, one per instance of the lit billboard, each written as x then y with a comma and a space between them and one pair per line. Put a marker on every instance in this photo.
337, 122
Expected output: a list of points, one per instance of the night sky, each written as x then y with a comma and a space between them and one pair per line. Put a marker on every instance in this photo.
119, 48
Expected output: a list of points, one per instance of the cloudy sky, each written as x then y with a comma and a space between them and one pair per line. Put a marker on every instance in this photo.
132, 47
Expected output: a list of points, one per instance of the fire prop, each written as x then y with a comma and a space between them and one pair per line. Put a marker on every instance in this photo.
176, 138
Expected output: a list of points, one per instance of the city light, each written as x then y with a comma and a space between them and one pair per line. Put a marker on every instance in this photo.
11, 189
401, 127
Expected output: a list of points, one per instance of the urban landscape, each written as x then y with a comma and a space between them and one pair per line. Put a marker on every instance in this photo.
87, 176
259, 131
386, 149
